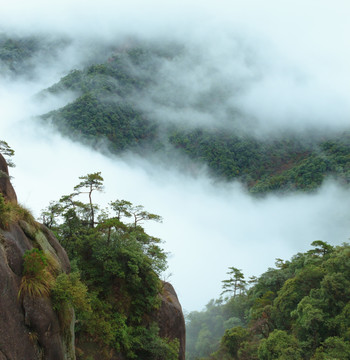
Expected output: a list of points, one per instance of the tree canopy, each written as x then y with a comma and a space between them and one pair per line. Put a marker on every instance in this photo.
105, 110
297, 311
119, 264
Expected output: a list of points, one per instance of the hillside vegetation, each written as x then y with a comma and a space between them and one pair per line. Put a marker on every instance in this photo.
115, 285
299, 310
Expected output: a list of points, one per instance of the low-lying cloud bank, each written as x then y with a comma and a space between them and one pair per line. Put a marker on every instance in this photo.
275, 64
281, 66
207, 227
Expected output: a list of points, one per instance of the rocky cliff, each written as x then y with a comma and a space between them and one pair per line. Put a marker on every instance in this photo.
170, 318
6, 187
29, 327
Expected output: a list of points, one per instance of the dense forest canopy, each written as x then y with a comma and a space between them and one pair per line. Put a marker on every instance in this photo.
298, 310
109, 107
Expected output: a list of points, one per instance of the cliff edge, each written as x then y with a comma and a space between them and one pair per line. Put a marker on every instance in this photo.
170, 318
29, 326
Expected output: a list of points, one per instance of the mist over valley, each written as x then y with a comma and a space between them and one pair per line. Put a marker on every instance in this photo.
195, 91
229, 120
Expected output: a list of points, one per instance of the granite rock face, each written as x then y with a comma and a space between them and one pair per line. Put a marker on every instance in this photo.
29, 327
170, 318
6, 187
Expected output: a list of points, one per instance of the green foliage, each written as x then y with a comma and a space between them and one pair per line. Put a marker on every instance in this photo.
105, 109
14, 52
5, 214
19, 55
7, 152
293, 291
11, 212
68, 290
36, 280
91, 182
334, 348
298, 311
233, 339
235, 283
148, 345
204, 329
34, 262
119, 263
279, 346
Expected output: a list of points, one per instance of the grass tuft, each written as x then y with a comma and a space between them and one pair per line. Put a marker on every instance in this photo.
36, 286
11, 212
37, 280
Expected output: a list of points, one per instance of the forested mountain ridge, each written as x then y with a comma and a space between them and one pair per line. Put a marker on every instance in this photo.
109, 108
20, 55
106, 109
298, 310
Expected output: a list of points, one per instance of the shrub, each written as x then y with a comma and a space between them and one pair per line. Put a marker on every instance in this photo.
69, 290
36, 280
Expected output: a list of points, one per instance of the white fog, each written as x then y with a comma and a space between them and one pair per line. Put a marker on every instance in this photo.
280, 77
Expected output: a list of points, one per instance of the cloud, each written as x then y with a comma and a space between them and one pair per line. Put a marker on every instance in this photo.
207, 227
278, 65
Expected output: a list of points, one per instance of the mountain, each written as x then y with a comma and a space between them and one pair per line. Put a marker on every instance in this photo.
126, 100
109, 108
120, 103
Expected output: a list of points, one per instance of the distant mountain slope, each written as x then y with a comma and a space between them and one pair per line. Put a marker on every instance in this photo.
19, 56
110, 108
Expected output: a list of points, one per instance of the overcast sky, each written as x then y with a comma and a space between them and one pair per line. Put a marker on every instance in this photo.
284, 65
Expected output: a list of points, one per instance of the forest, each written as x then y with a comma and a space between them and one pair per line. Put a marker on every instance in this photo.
106, 113
298, 310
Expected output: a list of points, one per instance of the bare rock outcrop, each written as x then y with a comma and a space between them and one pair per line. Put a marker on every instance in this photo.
6, 187
29, 327
170, 318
